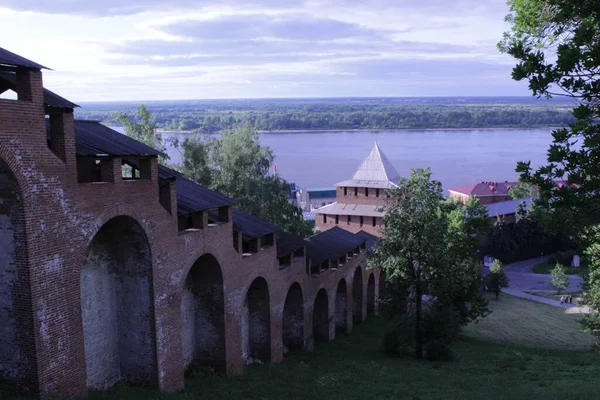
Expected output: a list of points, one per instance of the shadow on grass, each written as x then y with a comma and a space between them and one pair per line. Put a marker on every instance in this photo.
354, 367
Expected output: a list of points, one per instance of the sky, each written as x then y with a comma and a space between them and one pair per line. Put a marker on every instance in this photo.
116, 50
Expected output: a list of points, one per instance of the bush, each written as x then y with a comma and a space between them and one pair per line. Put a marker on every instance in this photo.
565, 257
390, 342
400, 340
441, 325
552, 259
438, 350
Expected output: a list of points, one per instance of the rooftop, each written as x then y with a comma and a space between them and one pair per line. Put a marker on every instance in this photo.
485, 189
51, 99
506, 207
371, 239
375, 171
92, 139
250, 226
351, 209
10, 59
332, 244
191, 196
288, 243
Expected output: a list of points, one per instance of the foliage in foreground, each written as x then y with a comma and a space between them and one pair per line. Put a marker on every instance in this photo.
237, 165
428, 254
557, 46
496, 279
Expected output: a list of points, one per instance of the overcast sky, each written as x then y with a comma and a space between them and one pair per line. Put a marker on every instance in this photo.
195, 49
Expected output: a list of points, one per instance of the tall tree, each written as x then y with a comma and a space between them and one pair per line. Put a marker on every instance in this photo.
496, 279
557, 45
428, 252
559, 277
142, 128
238, 166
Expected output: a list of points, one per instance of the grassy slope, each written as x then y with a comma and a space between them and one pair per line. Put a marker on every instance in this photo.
530, 324
353, 367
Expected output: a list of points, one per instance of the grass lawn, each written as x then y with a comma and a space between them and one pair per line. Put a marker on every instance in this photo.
530, 324
353, 367
545, 267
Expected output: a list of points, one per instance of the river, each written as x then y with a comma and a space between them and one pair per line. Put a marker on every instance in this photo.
456, 157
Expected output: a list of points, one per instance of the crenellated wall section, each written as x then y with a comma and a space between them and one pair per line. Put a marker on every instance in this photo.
99, 284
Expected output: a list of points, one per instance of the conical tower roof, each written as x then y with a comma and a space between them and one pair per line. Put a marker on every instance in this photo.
376, 167
375, 171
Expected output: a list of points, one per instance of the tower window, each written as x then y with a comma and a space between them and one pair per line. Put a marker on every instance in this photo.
349, 219
337, 219
324, 218
362, 219
376, 192
345, 191
356, 191
374, 221
366, 192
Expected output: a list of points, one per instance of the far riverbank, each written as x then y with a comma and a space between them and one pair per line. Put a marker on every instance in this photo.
178, 132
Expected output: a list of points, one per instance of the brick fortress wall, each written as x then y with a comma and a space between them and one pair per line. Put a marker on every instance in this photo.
98, 285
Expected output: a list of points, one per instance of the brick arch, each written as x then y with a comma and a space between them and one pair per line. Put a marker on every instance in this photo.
17, 349
117, 307
371, 295
256, 322
321, 317
341, 308
203, 314
293, 319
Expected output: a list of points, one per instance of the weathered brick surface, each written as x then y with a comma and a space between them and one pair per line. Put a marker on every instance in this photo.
98, 285
353, 225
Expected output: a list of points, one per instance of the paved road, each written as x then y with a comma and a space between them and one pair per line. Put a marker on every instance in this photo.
521, 279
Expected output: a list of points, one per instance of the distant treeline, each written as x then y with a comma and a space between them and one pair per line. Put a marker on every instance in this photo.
273, 115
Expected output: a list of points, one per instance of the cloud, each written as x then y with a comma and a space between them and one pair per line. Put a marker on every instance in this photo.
287, 26
127, 7
169, 49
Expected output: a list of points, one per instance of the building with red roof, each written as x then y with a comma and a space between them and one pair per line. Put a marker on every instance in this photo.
486, 192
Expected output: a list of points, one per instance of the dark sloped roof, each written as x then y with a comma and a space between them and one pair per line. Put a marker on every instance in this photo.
250, 226
51, 99
11, 59
92, 139
191, 196
332, 244
370, 238
288, 243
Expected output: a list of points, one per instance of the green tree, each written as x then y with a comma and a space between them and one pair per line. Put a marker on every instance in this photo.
559, 277
496, 279
142, 128
428, 252
591, 294
557, 45
238, 166
522, 190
